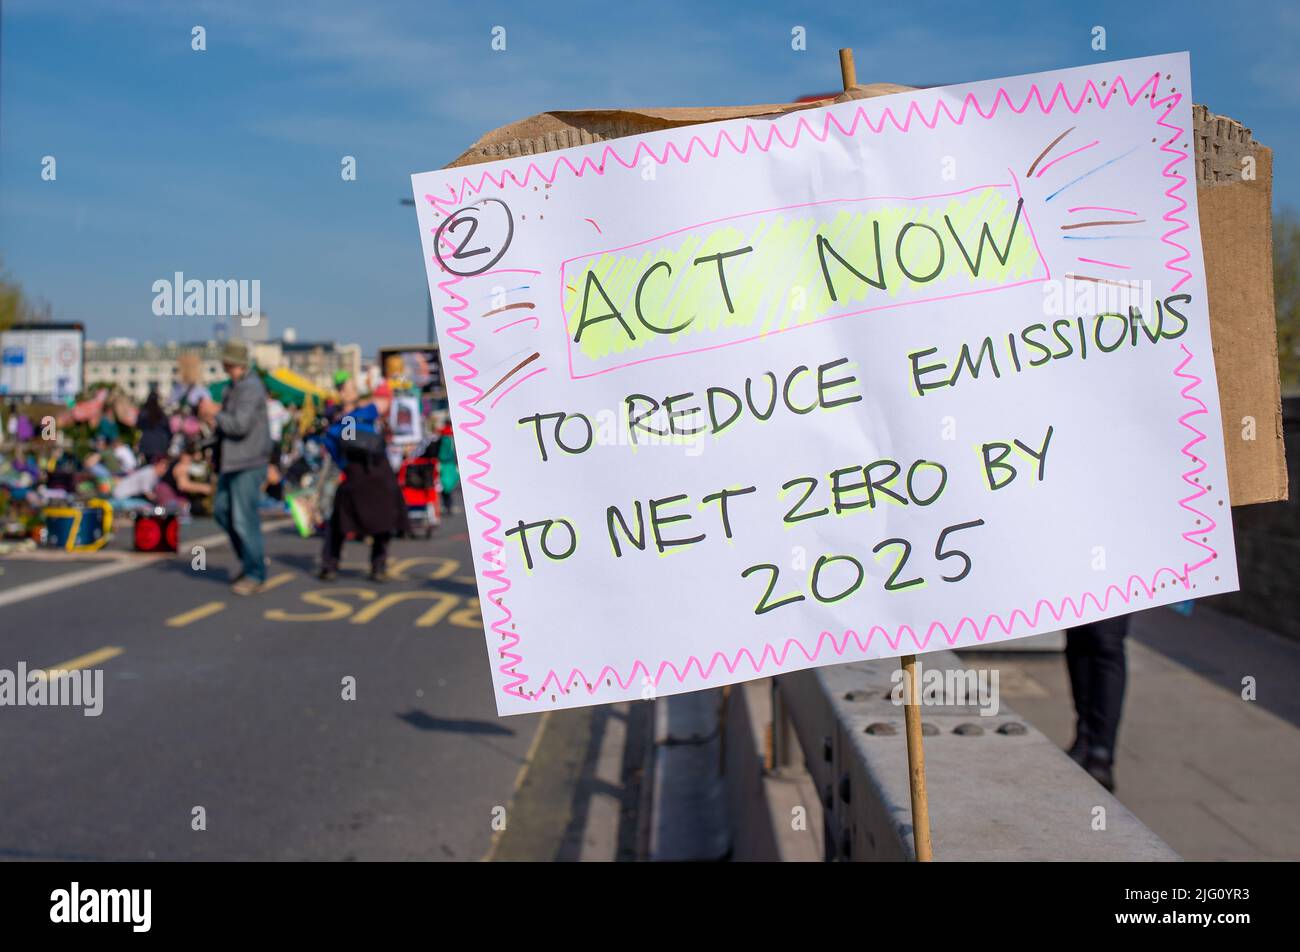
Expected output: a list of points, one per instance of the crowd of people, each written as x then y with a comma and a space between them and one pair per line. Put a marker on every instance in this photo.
250, 452
236, 457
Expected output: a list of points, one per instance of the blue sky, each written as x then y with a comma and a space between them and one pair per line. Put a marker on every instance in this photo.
225, 163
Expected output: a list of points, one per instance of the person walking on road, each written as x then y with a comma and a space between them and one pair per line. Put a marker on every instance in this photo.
243, 447
368, 500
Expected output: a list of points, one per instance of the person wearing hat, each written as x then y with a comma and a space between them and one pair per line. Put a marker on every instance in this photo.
243, 447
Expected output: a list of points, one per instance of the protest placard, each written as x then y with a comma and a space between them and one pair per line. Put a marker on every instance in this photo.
890, 376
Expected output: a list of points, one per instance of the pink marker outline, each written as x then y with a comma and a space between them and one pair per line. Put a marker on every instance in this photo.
1100, 208
502, 395
537, 323
564, 323
1061, 158
1106, 264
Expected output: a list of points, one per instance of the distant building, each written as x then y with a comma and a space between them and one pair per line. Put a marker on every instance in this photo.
319, 361
254, 328
139, 367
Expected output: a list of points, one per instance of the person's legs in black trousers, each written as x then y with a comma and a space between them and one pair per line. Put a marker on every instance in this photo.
333, 549
379, 556
1094, 654
1078, 661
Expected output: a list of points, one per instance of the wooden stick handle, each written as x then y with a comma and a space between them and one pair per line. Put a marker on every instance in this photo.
916, 764
911, 712
848, 72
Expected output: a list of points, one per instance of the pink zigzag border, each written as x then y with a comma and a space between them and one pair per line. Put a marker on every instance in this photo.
770, 653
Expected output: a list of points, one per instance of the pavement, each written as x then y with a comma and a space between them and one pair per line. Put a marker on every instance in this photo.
1210, 770
226, 734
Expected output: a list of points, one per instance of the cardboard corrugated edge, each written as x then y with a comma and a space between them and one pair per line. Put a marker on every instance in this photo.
1236, 232
1234, 193
548, 131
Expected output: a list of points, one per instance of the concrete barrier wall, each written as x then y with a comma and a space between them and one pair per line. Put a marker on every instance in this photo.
999, 789
774, 811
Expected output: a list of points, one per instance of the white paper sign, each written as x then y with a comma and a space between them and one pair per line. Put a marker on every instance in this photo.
861, 381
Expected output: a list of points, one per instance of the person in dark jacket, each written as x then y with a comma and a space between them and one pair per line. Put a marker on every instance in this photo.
155, 428
243, 447
368, 502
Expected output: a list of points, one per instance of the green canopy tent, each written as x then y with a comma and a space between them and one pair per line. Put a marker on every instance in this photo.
284, 385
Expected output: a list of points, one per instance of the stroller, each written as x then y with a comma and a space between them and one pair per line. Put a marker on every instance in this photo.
418, 477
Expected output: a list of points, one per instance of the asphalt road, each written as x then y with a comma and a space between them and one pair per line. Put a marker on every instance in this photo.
236, 705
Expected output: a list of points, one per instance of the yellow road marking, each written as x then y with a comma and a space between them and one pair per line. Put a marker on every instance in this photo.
430, 618
195, 614
85, 661
326, 598
470, 616
463, 612
275, 581
445, 567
